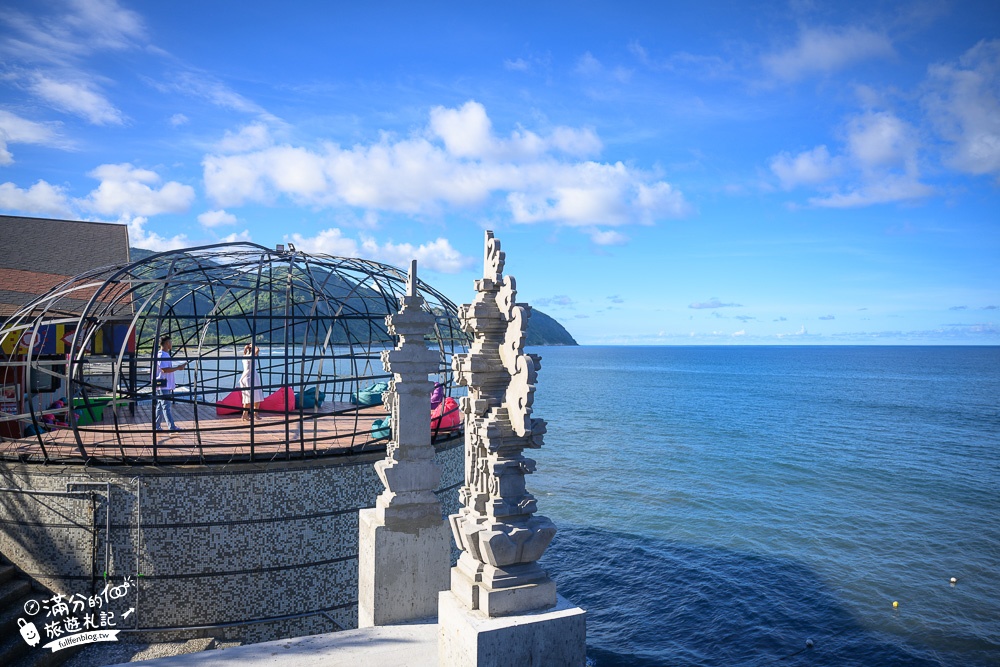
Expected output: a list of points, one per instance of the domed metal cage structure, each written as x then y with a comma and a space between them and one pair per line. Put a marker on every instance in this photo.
78, 370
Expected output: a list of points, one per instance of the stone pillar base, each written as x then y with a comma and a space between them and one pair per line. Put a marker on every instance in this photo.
554, 637
400, 573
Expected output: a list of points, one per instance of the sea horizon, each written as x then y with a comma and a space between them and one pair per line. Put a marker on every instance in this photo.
723, 505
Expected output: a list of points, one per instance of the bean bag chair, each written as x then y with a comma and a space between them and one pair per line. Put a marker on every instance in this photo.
282, 400
370, 396
446, 416
231, 404
307, 399
382, 428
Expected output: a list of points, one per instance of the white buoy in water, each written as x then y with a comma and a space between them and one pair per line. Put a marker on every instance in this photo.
809, 643
954, 580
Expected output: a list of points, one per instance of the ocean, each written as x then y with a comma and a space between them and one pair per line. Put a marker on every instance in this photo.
768, 505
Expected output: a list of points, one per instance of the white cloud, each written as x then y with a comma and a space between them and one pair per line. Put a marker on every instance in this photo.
328, 242
71, 30
21, 130
460, 162
609, 237
517, 65
467, 132
658, 200
576, 142
249, 137
879, 165
682, 62
45, 52
17, 130
880, 139
801, 332
713, 303
104, 24
588, 65
741, 332
559, 300
820, 50
884, 149
590, 193
437, 255
127, 190
885, 190
216, 218
42, 198
591, 67
178, 119
140, 237
963, 100
237, 236
214, 92
807, 168
77, 98
583, 194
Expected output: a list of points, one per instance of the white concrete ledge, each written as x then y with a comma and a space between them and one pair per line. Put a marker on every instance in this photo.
409, 645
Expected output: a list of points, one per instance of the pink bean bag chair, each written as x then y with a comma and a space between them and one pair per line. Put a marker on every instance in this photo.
446, 416
282, 400
231, 404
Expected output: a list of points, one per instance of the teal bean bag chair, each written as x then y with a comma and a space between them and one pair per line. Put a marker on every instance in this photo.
307, 400
382, 428
370, 396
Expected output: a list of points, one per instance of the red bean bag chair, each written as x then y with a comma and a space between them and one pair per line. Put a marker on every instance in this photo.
446, 416
282, 400
231, 404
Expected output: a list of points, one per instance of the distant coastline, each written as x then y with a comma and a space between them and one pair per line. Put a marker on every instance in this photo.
544, 330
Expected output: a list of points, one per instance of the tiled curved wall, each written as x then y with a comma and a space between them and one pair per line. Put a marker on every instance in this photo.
216, 544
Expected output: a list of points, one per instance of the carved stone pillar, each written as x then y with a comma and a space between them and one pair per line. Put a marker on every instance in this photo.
502, 608
403, 550
500, 535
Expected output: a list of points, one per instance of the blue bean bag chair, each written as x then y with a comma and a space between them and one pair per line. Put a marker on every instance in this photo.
370, 396
308, 399
382, 428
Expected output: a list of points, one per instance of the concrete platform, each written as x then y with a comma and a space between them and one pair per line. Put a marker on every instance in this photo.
410, 645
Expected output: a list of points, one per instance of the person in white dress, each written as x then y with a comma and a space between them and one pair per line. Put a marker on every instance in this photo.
250, 382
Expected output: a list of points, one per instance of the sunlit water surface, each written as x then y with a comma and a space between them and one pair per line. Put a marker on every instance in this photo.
723, 505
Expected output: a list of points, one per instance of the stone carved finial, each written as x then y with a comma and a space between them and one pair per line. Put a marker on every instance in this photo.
500, 536
493, 259
408, 471
411, 279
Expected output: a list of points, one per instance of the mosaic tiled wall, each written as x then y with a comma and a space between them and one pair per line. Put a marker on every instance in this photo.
207, 545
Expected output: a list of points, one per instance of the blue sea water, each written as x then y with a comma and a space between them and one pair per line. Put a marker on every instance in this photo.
723, 505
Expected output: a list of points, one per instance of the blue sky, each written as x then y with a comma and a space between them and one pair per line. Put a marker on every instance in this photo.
658, 173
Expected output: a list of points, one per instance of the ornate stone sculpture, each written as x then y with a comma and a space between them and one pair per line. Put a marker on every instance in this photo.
408, 470
403, 545
500, 536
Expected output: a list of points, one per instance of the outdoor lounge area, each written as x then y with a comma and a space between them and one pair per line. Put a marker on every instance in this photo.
269, 354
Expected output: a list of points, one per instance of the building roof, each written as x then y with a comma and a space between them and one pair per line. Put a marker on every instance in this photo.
39, 253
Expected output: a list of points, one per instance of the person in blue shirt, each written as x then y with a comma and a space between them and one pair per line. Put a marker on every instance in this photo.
165, 383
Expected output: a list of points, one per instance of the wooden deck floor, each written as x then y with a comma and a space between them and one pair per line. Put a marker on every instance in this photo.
206, 436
